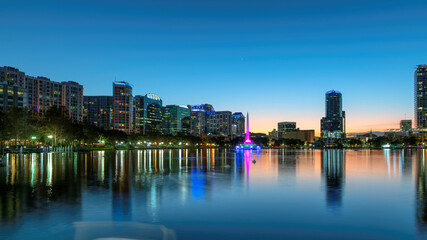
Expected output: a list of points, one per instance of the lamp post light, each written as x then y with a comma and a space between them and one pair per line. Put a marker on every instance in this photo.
50, 137
33, 138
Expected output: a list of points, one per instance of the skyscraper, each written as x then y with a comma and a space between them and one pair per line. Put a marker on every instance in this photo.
123, 107
98, 111
332, 125
199, 119
220, 123
43, 93
148, 113
12, 76
238, 124
72, 100
172, 118
420, 79
12, 95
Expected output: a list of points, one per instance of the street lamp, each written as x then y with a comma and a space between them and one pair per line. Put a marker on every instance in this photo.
32, 142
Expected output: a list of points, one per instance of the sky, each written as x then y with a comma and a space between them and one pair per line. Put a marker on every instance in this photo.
273, 58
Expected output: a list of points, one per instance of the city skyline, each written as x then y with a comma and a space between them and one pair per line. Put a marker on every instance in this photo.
275, 60
137, 93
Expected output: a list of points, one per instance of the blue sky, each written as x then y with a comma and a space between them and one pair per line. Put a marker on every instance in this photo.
275, 59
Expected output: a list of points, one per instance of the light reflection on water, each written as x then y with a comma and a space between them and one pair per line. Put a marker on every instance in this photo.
211, 194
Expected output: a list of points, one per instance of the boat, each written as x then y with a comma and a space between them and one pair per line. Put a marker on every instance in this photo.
247, 144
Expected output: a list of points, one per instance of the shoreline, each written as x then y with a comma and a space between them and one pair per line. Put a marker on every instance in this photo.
171, 148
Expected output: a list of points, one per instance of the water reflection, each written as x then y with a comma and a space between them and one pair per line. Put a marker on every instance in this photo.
166, 186
421, 194
333, 168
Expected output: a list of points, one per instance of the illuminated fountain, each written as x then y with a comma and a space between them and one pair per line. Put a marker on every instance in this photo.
248, 144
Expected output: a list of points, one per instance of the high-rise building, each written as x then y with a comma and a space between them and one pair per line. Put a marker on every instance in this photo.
173, 116
123, 107
43, 93
12, 95
420, 77
148, 113
238, 124
199, 119
98, 111
405, 125
332, 125
72, 100
12, 76
186, 125
220, 123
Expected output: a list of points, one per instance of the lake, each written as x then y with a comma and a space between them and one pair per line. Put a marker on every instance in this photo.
215, 194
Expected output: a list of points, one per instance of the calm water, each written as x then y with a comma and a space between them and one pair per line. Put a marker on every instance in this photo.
215, 194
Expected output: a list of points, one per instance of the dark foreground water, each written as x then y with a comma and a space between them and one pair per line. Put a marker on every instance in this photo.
215, 194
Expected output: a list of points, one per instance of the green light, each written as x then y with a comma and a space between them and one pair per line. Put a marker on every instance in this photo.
33, 138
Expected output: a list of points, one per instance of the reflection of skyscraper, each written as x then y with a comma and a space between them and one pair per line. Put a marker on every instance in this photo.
421, 191
38, 180
333, 161
288, 163
405, 161
121, 187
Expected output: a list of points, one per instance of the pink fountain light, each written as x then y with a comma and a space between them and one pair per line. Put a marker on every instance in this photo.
248, 135
247, 144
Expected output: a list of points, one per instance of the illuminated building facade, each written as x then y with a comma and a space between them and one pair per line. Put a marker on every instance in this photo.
332, 125
12, 96
200, 118
123, 115
220, 123
98, 111
72, 100
284, 127
43, 93
148, 113
12, 76
173, 116
420, 84
238, 124
289, 130
306, 136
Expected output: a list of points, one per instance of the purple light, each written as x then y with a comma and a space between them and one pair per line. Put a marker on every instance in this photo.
247, 136
198, 110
